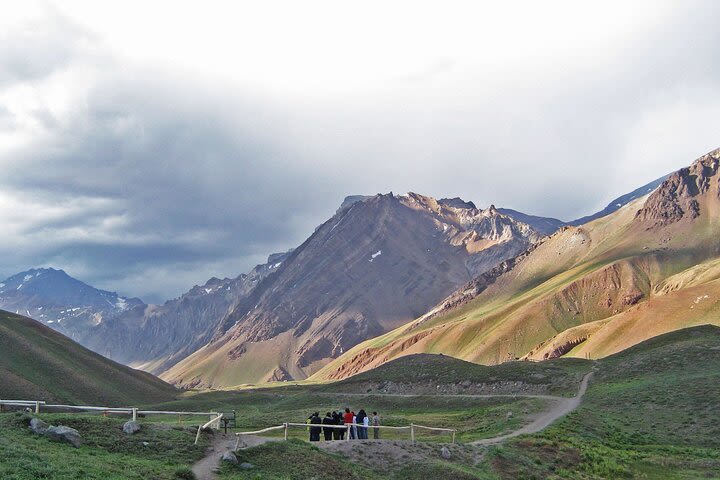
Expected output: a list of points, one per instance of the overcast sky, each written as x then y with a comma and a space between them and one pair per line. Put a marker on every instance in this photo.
147, 146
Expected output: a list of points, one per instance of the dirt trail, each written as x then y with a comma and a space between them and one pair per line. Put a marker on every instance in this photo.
560, 409
204, 469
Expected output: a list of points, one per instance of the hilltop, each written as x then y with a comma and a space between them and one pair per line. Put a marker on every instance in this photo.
38, 363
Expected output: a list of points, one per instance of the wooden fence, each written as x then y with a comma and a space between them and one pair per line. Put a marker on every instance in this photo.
37, 405
285, 427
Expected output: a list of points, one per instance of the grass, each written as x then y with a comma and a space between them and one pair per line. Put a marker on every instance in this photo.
296, 460
473, 418
38, 363
649, 413
106, 453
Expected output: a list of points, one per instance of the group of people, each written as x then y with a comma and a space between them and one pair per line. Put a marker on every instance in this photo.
359, 423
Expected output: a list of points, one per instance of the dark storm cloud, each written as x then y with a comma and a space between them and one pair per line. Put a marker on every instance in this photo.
147, 180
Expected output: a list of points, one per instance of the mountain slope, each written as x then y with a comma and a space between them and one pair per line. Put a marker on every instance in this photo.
378, 263
155, 337
38, 363
620, 202
61, 301
606, 280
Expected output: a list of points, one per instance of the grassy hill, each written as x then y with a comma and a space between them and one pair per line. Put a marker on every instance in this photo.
649, 413
590, 291
37, 363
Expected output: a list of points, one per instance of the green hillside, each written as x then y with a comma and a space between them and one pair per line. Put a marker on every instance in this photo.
650, 412
37, 363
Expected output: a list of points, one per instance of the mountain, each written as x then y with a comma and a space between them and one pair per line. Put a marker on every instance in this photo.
620, 202
61, 301
650, 267
379, 262
38, 363
155, 337
544, 225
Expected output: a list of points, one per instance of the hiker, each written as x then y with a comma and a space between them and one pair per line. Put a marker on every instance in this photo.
353, 428
361, 419
376, 424
327, 431
349, 418
338, 433
315, 431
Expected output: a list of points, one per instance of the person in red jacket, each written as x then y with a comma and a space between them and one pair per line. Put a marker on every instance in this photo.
348, 418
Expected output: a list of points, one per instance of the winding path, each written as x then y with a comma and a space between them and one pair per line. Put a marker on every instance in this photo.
205, 468
560, 409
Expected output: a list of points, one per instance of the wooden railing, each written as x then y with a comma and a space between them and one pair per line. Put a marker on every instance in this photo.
36, 405
347, 426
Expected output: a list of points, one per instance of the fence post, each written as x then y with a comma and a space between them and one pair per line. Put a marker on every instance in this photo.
453, 440
37, 407
134, 414
286, 430
412, 432
347, 436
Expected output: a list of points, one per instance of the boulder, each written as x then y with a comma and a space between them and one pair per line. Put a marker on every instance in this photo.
131, 427
38, 426
64, 434
246, 466
445, 453
509, 415
229, 457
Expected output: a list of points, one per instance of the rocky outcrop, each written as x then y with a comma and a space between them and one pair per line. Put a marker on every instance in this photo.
64, 434
131, 427
38, 426
677, 197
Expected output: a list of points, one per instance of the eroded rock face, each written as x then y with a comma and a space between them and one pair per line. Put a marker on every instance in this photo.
677, 197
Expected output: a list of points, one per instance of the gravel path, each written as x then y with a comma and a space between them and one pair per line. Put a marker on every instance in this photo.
560, 409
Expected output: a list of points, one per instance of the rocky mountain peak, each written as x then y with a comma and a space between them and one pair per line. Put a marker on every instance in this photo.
681, 195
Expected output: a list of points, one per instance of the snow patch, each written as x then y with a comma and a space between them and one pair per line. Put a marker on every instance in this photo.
2, 285
121, 303
208, 290
375, 255
701, 298
51, 321
27, 277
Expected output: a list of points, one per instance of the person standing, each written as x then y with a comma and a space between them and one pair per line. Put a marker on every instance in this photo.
348, 419
328, 431
361, 420
337, 420
376, 424
314, 430
353, 428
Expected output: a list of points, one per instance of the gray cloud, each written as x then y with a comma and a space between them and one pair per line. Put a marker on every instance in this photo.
147, 180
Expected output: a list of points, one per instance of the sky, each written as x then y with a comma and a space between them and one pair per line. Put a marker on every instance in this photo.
148, 146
